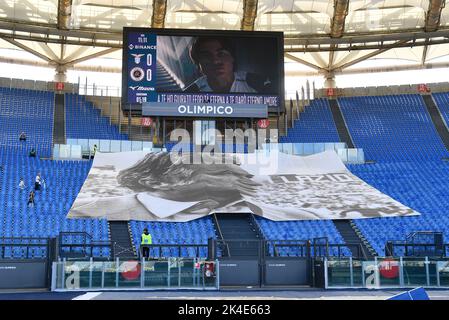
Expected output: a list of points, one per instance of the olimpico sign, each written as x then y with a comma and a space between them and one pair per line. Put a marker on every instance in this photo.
204, 110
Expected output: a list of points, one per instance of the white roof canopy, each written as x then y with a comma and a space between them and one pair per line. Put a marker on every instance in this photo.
325, 35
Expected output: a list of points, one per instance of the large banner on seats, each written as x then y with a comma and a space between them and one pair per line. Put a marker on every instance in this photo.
181, 187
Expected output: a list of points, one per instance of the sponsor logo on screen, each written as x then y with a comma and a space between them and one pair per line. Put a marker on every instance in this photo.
137, 74
141, 88
263, 123
137, 57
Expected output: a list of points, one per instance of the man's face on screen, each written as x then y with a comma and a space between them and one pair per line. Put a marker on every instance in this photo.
217, 64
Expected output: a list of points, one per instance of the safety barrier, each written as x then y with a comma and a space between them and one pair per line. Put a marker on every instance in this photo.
157, 274
386, 272
347, 155
77, 148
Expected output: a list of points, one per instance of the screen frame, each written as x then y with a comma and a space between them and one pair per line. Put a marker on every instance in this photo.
279, 36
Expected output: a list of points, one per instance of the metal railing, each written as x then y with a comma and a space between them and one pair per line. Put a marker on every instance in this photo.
418, 243
385, 272
256, 224
24, 248
78, 245
93, 89
119, 251
174, 250
402, 248
238, 248
284, 248
419, 235
381, 90
156, 274
219, 231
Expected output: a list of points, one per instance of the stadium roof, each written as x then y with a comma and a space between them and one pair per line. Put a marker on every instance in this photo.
325, 36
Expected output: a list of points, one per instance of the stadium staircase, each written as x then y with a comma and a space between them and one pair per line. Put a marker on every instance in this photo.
121, 238
238, 226
353, 238
165, 81
59, 120
315, 124
340, 123
111, 107
85, 121
437, 119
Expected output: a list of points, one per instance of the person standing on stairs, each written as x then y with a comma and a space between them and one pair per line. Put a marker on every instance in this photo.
145, 240
31, 199
38, 182
94, 151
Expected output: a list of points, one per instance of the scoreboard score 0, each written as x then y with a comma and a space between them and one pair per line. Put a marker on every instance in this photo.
141, 67
173, 66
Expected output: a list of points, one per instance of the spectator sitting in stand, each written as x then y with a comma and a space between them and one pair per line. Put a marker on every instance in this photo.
37, 183
33, 153
21, 184
31, 199
22, 136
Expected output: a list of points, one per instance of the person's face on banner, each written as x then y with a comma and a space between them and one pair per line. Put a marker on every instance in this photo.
217, 64
220, 183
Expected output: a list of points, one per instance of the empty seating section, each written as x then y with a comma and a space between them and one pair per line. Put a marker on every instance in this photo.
193, 232
396, 131
27, 111
63, 180
392, 128
84, 121
423, 186
301, 230
442, 102
45, 225
315, 124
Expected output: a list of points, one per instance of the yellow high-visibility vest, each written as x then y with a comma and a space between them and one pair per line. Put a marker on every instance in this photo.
146, 239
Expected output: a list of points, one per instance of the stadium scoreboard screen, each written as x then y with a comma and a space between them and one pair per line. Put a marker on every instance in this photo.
177, 72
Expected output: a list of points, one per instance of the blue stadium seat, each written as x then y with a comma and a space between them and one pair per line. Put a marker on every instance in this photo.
28, 111
48, 217
315, 124
392, 128
192, 232
396, 131
84, 121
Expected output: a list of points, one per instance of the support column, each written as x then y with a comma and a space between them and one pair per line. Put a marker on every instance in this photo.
60, 75
330, 80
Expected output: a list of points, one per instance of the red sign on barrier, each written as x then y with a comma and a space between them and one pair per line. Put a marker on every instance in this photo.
59, 86
423, 88
389, 268
263, 123
130, 270
146, 122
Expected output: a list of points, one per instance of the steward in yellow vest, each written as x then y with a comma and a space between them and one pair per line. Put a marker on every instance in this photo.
145, 240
